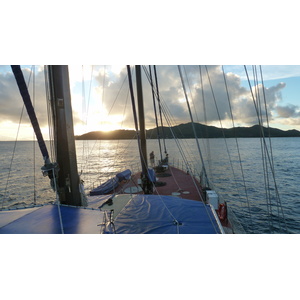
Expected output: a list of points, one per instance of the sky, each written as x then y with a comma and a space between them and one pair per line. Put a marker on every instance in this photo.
100, 97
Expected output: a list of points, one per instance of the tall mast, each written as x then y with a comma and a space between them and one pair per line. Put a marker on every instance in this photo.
60, 97
147, 185
141, 119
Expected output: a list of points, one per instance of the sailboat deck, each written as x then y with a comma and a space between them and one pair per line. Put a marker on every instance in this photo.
176, 183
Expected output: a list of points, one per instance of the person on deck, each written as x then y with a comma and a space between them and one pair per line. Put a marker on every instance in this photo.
152, 159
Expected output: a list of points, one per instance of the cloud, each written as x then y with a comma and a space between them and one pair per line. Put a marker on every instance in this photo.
11, 103
199, 81
288, 111
106, 98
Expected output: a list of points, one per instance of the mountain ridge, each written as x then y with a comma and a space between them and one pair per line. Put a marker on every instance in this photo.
185, 131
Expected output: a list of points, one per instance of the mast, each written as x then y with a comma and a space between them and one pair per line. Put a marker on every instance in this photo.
147, 185
60, 98
141, 119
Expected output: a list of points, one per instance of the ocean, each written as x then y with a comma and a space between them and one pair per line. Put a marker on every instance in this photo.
261, 205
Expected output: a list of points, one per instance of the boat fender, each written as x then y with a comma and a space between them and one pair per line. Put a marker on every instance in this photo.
222, 211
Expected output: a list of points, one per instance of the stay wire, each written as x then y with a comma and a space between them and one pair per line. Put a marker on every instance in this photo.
14, 150
139, 144
155, 113
238, 148
207, 141
155, 91
263, 150
159, 107
34, 138
279, 203
194, 130
264, 142
221, 125
168, 117
170, 122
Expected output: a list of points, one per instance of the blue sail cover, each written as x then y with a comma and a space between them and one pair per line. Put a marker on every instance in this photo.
45, 219
154, 214
106, 187
148, 214
125, 175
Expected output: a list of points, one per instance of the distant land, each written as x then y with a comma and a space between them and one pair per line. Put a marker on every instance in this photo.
185, 131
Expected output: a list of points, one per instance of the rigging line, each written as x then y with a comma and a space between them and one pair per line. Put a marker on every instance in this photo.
226, 144
12, 158
132, 99
26, 98
119, 91
49, 112
83, 109
58, 202
89, 98
271, 148
263, 150
164, 111
270, 143
159, 107
155, 113
267, 152
205, 120
117, 96
14, 149
193, 126
189, 109
34, 163
219, 116
143, 158
166, 114
191, 95
237, 145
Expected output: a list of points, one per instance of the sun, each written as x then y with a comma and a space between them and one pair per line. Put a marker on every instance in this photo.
97, 123
108, 127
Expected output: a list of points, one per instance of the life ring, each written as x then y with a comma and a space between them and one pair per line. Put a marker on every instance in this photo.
222, 211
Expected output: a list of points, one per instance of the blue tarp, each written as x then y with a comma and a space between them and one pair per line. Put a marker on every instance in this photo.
158, 214
125, 175
150, 214
45, 219
106, 187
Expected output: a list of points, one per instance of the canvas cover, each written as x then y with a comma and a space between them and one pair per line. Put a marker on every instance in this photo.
148, 214
154, 214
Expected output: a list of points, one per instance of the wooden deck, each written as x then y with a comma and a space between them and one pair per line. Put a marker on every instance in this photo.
177, 183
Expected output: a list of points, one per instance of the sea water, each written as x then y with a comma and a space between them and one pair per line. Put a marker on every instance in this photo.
261, 187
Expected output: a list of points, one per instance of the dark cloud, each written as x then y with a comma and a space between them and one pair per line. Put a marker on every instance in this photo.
11, 103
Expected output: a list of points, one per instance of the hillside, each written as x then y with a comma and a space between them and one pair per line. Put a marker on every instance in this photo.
185, 131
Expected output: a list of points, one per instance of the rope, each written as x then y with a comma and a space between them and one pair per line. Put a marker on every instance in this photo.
193, 125
238, 148
58, 202
14, 150
159, 106
155, 113
33, 102
266, 149
205, 122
